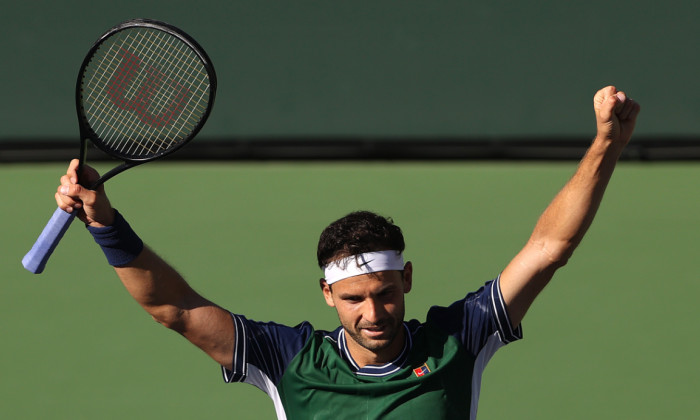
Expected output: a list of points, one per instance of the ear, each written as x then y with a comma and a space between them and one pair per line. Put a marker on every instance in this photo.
407, 277
327, 292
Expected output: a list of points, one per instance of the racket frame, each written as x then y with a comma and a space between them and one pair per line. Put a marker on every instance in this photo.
86, 132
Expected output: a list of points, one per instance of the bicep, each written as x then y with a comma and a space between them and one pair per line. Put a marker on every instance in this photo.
210, 328
524, 278
167, 297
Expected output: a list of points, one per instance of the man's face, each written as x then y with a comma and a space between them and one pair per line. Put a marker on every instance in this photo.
371, 309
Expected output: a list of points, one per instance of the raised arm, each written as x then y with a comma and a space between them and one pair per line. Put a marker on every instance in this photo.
565, 221
152, 282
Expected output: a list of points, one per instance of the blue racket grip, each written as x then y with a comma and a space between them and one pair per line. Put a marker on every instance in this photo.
36, 258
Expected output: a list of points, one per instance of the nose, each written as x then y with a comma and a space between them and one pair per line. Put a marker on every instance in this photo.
374, 311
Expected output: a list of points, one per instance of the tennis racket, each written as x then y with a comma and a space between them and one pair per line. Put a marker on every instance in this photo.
144, 89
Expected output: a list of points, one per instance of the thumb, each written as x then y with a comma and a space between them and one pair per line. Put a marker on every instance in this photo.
607, 107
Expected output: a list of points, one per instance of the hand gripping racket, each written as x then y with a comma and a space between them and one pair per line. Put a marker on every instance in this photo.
144, 89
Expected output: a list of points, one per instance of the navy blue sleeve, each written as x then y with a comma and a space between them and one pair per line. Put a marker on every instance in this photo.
477, 317
265, 347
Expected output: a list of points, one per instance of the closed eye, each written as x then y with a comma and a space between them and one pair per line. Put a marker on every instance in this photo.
352, 298
385, 294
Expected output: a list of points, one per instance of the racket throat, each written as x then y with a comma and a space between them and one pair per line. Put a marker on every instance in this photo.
81, 160
114, 171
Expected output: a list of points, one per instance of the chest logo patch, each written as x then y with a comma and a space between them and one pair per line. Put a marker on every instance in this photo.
422, 370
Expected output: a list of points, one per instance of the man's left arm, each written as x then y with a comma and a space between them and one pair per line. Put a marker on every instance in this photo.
565, 221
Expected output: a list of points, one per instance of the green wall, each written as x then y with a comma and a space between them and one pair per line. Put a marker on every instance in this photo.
381, 68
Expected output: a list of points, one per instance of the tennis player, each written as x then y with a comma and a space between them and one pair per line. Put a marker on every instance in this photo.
376, 364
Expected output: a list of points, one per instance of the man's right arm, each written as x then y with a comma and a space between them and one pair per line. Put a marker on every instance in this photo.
167, 297
151, 281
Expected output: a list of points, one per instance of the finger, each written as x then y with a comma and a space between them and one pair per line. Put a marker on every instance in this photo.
80, 193
626, 109
72, 171
66, 203
67, 193
61, 204
621, 98
76, 196
70, 192
69, 189
66, 180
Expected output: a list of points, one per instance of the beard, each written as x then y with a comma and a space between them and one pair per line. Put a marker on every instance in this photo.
389, 330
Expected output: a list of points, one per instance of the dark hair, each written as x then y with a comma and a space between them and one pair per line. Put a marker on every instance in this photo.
357, 233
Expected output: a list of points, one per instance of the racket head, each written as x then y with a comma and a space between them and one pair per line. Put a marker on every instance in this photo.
144, 89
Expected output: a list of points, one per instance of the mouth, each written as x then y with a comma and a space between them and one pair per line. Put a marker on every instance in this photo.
375, 332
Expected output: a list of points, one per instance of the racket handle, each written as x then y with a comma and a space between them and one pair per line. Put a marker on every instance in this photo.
36, 258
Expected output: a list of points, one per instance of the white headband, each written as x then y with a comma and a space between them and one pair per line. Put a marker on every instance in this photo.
369, 262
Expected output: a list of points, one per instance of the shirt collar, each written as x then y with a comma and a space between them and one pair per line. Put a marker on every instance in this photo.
376, 370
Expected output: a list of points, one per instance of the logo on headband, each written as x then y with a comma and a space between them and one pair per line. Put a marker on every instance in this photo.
364, 263
356, 265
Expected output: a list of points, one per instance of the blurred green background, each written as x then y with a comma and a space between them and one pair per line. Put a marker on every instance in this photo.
380, 68
614, 335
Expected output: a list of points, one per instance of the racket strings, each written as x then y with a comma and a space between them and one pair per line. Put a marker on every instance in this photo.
144, 91
199, 74
190, 72
165, 95
153, 121
152, 54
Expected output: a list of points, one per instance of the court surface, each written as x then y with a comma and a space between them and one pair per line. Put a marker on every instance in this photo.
614, 336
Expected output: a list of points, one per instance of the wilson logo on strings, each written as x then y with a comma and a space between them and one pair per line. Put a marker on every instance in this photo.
153, 92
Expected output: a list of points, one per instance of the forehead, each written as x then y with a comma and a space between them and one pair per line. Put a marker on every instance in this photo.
368, 282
